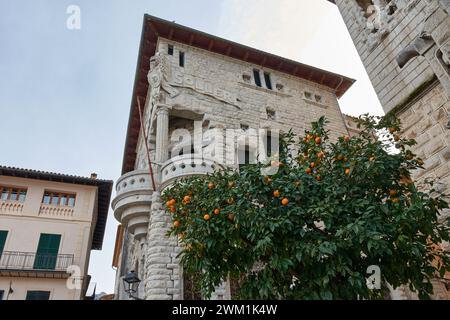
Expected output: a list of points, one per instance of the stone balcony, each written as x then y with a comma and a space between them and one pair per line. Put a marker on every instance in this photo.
186, 165
132, 202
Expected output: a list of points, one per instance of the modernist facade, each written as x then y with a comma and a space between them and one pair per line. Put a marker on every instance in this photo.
189, 82
405, 47
49, 223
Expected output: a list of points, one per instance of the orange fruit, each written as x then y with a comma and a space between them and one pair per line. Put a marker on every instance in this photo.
173, 209
395, 200
318, 140
347, 171
392, 129
320, 155
168, 203
318, 178
308, 170
216, 211
231, 216
206, 217
312, 165
187, 199
211, 186
276, 193
392, 192
176, 223
285, 202
346, 138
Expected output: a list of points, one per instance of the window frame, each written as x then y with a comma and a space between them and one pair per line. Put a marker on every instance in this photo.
268, 80
70, 198
257, 78
181, 59
18, 191
37, 292
170, 49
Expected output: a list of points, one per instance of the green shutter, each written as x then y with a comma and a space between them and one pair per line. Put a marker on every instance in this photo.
47, 251
38, 295
3, 235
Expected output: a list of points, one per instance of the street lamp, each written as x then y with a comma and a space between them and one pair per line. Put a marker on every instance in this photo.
131, 283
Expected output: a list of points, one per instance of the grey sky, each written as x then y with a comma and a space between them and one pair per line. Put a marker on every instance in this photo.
65, 94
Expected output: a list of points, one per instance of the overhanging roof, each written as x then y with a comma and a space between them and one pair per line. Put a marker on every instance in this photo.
154, 27
104, 193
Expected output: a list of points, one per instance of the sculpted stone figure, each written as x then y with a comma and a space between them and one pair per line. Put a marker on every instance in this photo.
160, 88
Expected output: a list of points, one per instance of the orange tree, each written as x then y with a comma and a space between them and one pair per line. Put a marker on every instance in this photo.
312, 230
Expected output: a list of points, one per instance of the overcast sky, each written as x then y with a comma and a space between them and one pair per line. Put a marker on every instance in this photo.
65, 94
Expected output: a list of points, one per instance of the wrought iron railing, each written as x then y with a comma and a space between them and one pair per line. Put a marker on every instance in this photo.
30, 261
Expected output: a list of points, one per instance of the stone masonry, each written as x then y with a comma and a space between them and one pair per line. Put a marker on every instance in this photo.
404, 46
198, 91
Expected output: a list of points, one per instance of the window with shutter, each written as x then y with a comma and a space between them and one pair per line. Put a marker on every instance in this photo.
47, 251
3, 235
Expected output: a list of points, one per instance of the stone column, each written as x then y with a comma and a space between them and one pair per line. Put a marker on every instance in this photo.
162, 281
162, 134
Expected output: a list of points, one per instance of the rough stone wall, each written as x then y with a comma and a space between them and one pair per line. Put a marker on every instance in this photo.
422, 106
378, 51
221, 91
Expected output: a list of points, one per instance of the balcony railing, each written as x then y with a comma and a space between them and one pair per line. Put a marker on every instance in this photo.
29, 261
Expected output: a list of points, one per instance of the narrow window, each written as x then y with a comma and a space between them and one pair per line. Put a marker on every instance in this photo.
318, 98
257, 77
5, 193
170, 49
71, 202
47, 251
269, 144
2, 293
22, 195
308, 95
268, 81
38, 295
47, 198
181, 59
55, 199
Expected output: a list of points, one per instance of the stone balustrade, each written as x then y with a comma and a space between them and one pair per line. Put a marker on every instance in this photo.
48, 210
132, 202
11, 206
186, 165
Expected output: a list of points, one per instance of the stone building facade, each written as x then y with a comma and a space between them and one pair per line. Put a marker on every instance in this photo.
189, 83
405, 48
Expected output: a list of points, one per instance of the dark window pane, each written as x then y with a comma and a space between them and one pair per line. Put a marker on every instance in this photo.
257, 77
2, 293
170, 50
38, 295
181, 59
268, 81
269, 145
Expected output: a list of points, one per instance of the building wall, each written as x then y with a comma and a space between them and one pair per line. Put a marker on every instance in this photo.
418, 93
25, 224
378, 51
221, 93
